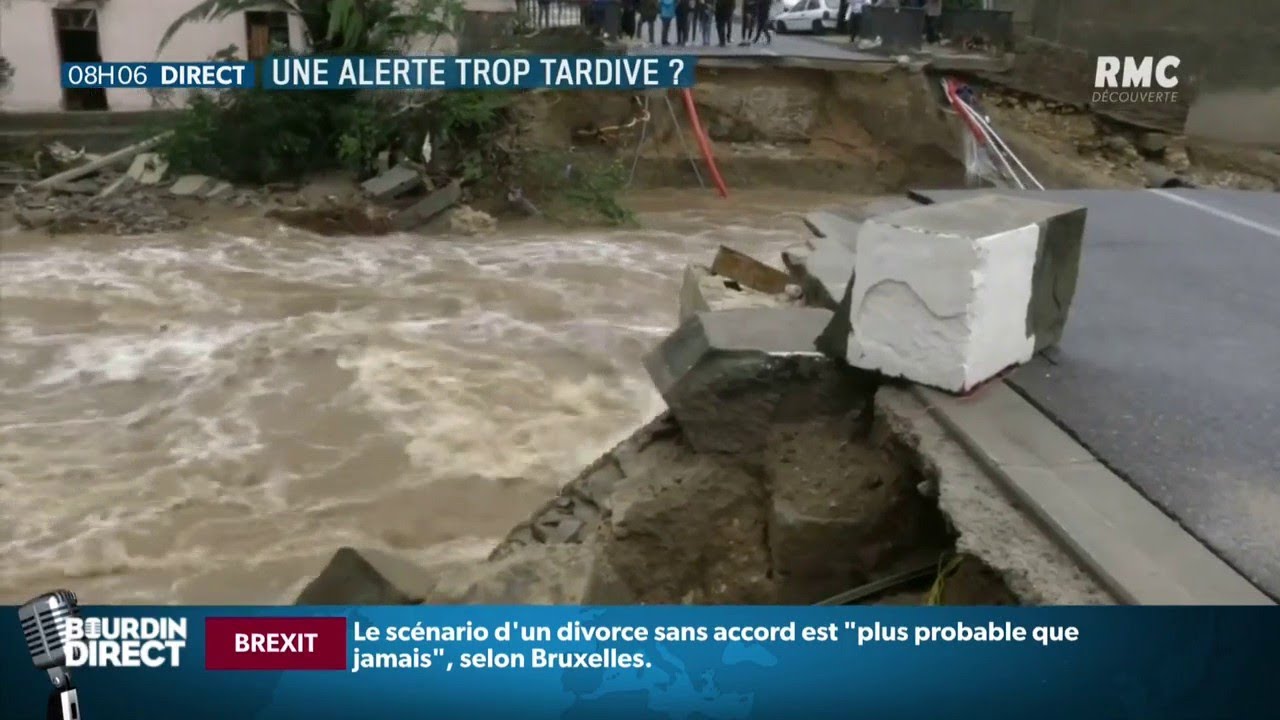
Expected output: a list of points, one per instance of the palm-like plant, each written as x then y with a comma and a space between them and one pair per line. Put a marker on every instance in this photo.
346, 27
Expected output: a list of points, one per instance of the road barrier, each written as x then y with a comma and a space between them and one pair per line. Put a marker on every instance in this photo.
993, 28
899, 29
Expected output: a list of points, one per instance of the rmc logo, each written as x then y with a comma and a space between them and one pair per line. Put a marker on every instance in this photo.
1132, 79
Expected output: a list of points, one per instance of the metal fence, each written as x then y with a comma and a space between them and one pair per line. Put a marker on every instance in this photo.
556, 13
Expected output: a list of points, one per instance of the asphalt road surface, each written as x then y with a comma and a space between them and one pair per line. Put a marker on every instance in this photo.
1169, 370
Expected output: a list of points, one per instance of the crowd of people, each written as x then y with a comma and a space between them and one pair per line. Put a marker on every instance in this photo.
653, 20
692, 20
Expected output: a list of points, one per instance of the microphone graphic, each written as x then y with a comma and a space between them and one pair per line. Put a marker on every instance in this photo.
44, 625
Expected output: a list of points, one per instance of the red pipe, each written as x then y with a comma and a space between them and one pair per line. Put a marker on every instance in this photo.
953, 98
703, 143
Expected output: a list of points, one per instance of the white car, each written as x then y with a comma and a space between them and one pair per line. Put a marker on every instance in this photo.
815, 16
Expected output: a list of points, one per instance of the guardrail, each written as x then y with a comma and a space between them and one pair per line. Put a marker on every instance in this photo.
992, 28
604, 15
899, 29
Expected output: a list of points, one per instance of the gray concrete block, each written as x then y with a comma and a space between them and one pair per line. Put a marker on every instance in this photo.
428, 207
949, 295
393, 183
727, 375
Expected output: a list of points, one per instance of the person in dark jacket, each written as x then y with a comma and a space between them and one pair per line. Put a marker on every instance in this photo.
762, 23
683, 16
702, 21
648, 16
748, 20
724, 21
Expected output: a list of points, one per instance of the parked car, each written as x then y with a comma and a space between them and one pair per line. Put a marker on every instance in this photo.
815, 16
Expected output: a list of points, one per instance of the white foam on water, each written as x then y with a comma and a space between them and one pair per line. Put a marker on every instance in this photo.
205, 418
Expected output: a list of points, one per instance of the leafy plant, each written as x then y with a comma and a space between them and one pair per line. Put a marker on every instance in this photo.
578, 187
345, 27
254, 136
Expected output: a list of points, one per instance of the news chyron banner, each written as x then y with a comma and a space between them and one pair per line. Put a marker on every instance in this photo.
428, 72
690, 663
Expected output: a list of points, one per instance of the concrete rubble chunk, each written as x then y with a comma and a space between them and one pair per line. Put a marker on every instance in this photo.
703, 291
148, 168
724, 374
189, 185
393, 183
533, 575
428, 207
749, 272
366, 577
826, 272
949, 295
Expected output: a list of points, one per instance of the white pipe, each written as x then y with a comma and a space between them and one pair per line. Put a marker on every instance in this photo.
982, 128
1005, 147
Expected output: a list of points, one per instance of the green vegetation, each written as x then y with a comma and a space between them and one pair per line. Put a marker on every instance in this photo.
577, 187
257, 136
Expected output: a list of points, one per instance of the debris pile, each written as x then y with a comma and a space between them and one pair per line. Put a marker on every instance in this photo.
132, 191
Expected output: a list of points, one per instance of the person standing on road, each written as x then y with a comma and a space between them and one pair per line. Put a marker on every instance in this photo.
748, 20
702, 20
667, 9
855, 18
762, 22
724, 21
682, 22
648, 16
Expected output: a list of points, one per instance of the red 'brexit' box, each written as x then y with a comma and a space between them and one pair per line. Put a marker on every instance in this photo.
275, 643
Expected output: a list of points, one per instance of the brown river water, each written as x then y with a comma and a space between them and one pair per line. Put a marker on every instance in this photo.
205, 417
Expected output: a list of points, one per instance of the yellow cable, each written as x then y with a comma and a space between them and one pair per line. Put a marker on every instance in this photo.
945, 570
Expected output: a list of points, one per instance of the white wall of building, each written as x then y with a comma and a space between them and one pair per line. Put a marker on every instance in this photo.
128, 31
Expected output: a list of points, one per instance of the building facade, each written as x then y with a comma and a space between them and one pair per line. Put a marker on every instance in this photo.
37, 36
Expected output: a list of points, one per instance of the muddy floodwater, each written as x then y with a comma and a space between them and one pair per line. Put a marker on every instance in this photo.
206, 417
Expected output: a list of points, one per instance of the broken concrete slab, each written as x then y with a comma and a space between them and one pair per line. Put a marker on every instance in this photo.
191, 185
148, 168
393, 183
366, 577
428, 207
726, 375
949, 295
703, 291
749, 272
836, 227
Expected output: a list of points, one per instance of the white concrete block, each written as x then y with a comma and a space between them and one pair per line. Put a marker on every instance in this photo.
950, 295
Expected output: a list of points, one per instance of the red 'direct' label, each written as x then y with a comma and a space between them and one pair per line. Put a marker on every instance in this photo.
275, 643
